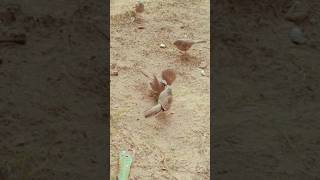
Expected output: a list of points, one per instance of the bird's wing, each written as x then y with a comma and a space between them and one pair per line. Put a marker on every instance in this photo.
156, 86
166, 102
165, 98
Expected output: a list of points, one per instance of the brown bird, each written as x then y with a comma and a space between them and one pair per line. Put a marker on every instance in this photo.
185, 44
168, 76
164, 102
139, 6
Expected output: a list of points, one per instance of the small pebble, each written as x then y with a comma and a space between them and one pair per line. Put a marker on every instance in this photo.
203, 73
162, 45
296, 36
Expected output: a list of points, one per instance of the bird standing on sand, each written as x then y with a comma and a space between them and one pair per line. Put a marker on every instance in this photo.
164, 101
139, 7
185, 44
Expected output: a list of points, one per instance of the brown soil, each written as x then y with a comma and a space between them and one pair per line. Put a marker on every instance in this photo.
266, 122
174, 144
53, 90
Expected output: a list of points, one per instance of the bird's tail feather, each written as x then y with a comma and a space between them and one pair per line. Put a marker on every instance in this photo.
196, 42
154, 110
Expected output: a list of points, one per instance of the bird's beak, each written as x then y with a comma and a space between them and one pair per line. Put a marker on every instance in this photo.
164, 82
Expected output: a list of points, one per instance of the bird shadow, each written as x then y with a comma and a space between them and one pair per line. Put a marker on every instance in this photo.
145, 91
162, 120
187, 59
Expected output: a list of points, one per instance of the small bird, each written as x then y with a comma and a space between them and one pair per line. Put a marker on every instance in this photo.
164, 102
167, 77
139, 6
185, 44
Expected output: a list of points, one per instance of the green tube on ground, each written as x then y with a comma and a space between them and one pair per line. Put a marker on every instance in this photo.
125, 165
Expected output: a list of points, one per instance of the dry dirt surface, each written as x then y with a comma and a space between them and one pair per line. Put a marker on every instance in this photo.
53, 90
267, 127
175, 144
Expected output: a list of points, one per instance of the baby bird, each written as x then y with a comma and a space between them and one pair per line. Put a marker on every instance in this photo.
167, 77
164, 101
185, 44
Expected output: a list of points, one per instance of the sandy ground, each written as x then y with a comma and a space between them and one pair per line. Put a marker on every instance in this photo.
53, 91
176, 144
266, 92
